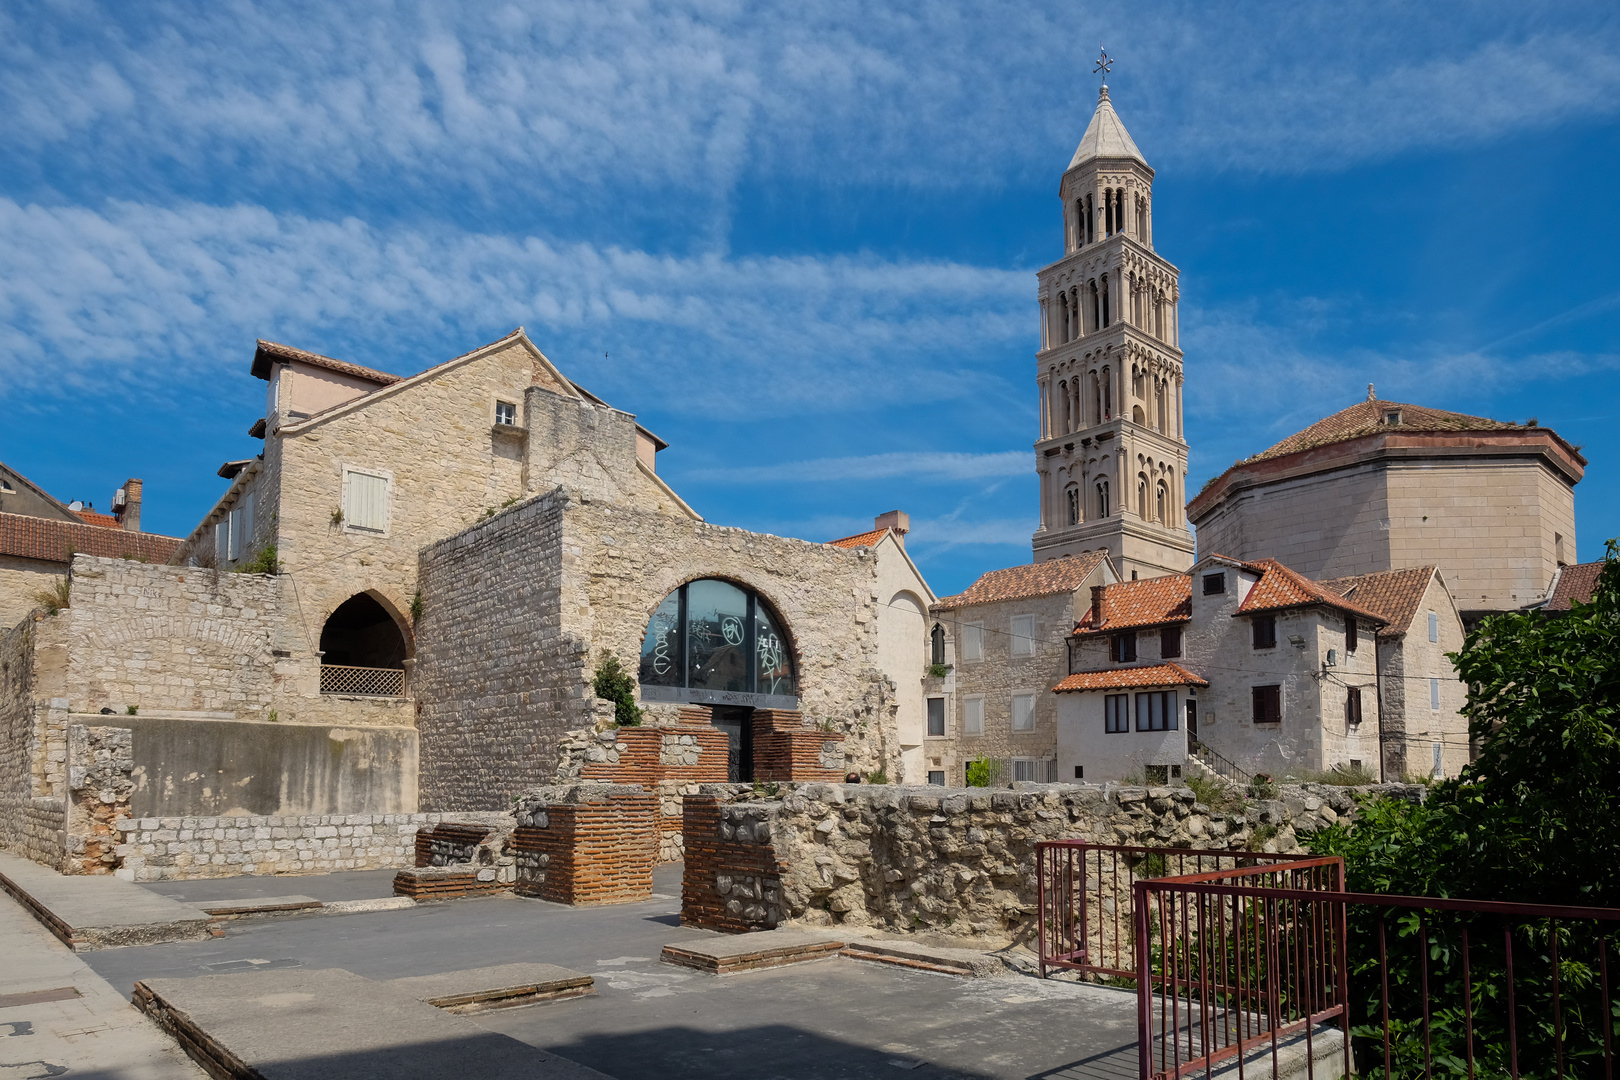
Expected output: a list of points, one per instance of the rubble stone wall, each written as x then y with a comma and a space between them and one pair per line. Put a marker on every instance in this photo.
33, 738
100, 761
179, 848
956, 861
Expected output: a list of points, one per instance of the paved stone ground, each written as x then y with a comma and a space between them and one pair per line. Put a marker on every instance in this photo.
830, 1018
354, 885
89, 1031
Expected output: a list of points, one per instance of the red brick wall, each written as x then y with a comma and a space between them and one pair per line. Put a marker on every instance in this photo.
710, 858
590, 853
641, 760
784, 749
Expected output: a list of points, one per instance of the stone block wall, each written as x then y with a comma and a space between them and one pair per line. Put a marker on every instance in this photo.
33, 738
958, 861
181, 848
100, 763
586, 845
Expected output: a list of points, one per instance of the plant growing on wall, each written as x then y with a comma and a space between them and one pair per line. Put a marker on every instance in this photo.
264, 562
614, 684
938, 671
53, 597
982, 772
416, 607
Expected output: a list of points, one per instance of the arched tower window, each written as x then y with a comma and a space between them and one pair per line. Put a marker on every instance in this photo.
1072, 496
936, 645
1063, 388
1063, 311
1079, 222
711, 642
1163, 505
1102, 498
1142, 497
1102, 287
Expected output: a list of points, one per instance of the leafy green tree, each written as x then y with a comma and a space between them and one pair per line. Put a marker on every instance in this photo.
614, 684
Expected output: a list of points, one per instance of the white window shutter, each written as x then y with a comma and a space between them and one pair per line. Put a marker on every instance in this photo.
366, 502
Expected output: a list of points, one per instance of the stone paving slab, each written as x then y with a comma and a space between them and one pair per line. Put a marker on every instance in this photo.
303, 1024
264, 905
723, 954
503, 986
101, 911
966, 962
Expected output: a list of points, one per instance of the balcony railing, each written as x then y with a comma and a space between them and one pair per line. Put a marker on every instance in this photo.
362, 681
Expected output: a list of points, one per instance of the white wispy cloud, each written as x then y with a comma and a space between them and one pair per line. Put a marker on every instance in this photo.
98, 291
920, 466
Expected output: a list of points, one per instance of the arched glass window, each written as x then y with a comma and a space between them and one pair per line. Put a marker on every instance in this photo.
936, 645
711, 642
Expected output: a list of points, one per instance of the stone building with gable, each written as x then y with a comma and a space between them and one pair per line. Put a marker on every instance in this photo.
998, 649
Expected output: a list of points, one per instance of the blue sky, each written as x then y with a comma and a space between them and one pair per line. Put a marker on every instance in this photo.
799, 241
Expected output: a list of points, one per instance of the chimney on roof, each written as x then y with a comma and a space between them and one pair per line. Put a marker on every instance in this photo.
127, 505
898, 520
1099, 606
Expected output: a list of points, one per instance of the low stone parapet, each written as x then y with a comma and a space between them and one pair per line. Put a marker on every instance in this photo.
179, 848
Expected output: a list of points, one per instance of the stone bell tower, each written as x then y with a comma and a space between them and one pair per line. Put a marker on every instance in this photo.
1111, 451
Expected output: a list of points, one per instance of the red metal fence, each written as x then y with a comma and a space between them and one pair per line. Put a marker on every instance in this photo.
1273, 969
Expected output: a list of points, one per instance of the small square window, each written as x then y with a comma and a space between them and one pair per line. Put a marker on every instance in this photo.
936, 777
1122, 648
1267, 704
936, 716
1214, 584
1392, 417
972, 716
1023, 635
1023, 712
505, 413
1265, 631
1170, 643
1079, 772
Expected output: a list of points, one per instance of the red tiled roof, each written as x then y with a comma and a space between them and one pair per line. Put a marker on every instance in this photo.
270, 351
49, 540
1280, 587
1022, 582
1575, 583
1148, 602
1394, 594
1166, 674
96, 517
1368, 417
865, 539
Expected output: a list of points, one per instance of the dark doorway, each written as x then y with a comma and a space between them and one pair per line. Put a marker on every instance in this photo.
737, 721
361, 633
1192, 720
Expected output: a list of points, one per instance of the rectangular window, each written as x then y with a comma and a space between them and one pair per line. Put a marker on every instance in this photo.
1352, 705
1122, 648
1170, 643
936, 716
1156, 711
222, 539
1434, 694
972, 716
1023, 712
1117, 710
1079, 772
1265, 631
1024, 769
973, 641
1214, 584
1350, 629
1267, 704
936, 777
505, 413
365, 501
1023, 635
1434, 627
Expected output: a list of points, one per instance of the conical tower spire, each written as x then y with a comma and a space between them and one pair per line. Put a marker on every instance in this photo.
1105, 137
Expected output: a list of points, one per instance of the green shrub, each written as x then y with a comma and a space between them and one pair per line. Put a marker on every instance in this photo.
262, 563
877, 776
1219, 797
53, 597
983, 772
614, 684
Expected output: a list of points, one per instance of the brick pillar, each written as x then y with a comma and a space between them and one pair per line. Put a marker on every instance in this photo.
598, 850
784, 749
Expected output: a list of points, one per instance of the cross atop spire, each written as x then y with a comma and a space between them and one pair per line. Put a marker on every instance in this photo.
1104, 65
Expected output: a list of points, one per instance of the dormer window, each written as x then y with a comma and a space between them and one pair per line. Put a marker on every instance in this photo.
1392, 417
506, 413
1214, 584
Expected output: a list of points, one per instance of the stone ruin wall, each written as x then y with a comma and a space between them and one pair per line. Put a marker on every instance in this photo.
33, 739
956, 861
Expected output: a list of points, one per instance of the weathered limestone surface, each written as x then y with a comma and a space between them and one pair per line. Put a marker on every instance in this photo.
957, 861
175, 848
543, 590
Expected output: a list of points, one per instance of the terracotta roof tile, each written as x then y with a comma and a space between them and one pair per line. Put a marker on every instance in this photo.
1576, 582
1166, 674
865, 539
269, 351
1021, 582
1394, 594
1368, 417
1148, 602
1280, 587
50, 540
96, 517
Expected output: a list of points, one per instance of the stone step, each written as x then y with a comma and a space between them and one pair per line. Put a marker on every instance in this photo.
963, 962
97, 911
722, 955
504, 986
262, 905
